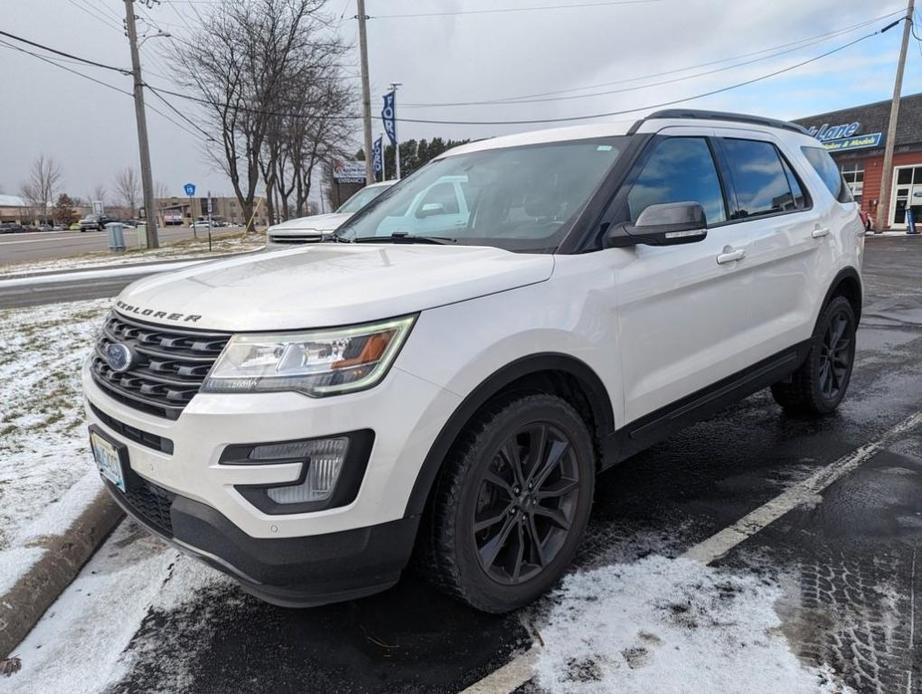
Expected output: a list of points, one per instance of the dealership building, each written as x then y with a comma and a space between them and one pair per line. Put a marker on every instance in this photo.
856, 136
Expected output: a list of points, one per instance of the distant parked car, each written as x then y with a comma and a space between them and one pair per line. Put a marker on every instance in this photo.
172, 220
314, 228
93, 222
10, 228
75, 226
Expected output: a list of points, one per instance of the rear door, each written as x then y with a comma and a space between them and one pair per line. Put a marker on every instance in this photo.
784, 237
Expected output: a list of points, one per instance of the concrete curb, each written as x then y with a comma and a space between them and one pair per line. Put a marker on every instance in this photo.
65, 555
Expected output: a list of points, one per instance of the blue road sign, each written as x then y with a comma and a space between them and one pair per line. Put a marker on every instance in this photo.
190, 189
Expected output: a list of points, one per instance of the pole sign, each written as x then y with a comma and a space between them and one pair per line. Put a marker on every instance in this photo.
190, 189
378, 155
349, 172
388, 114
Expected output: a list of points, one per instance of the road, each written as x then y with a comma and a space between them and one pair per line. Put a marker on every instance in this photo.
16, 248
846, 563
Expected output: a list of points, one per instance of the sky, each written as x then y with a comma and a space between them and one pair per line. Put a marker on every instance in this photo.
458, 54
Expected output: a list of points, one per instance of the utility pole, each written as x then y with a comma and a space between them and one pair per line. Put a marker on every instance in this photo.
147, 182
366, 91
394, 86
886, 179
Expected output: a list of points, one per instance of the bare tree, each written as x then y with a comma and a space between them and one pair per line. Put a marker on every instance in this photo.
38, 191
238, 63
128, 189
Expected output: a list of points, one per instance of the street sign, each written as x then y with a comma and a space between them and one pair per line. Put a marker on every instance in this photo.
190, 189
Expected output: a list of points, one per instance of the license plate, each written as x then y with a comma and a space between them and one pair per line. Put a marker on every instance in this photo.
107, 460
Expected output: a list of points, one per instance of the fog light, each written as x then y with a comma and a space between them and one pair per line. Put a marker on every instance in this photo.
324, 464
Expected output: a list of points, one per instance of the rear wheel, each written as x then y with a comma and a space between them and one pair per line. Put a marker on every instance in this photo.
819, 385
511, 504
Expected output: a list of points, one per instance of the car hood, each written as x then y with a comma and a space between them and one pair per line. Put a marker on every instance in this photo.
320, 223
328, 284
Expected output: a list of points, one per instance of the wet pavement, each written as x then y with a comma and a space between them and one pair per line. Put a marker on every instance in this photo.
848, 559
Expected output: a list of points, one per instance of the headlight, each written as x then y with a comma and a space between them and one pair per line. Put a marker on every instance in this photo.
316, 362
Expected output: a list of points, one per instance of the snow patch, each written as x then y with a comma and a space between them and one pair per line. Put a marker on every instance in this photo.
670, 625
14, 563
60, 515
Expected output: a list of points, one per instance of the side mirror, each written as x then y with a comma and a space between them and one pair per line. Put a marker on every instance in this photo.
430, 209
666, 224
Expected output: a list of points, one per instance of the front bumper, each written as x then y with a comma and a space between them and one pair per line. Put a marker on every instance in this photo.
289, 572
290, 559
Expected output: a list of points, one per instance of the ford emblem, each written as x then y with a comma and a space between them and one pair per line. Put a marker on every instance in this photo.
119, 357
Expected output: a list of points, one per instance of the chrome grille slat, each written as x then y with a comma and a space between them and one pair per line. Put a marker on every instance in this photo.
171, 364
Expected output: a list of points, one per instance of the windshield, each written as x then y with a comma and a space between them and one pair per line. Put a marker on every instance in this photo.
518, 198
360, 199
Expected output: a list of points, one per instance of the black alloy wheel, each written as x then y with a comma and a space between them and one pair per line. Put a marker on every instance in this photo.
526, 504
835, 356
510, 504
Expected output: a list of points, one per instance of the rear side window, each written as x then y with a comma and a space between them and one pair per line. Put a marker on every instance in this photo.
761, 179
825, 166
680, 169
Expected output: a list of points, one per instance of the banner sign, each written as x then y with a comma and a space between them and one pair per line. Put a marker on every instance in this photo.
349, 172
378, 155
868, 141
388, 113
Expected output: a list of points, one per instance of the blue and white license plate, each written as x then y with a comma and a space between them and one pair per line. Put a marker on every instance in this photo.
107, 460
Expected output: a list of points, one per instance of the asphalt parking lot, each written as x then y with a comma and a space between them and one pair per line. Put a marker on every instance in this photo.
846, 556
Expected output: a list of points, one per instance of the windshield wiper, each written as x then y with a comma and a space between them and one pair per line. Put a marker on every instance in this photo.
404, 237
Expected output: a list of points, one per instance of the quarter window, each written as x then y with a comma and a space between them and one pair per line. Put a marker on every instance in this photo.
762, 181
825, 166
680, 169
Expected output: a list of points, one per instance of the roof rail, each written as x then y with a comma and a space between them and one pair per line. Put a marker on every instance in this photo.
719, 115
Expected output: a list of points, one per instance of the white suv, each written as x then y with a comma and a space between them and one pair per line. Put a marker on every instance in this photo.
306, 420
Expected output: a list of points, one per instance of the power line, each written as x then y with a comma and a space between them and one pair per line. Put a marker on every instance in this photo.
66, 55
55, 63
181, 114
539, 121
537, 98
498, 10
95, 15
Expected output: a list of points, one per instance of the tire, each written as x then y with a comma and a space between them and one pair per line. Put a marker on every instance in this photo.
820, 383
498, 566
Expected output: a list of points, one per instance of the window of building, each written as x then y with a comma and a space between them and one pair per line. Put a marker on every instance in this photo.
681, 169
760, 181
853, 173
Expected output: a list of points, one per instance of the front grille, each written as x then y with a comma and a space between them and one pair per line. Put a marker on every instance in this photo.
169, 366
145, 438
152, 504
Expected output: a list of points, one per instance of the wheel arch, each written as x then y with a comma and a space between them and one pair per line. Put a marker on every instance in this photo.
846, 283
559, 374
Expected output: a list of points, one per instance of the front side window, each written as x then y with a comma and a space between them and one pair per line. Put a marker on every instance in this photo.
828, 171
520, 198
761, 184
680, 169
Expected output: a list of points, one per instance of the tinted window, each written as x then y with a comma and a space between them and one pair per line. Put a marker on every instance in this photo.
759, 179
680, 169
825, 166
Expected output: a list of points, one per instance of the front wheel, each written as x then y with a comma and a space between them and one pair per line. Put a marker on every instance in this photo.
511, 504
820, 383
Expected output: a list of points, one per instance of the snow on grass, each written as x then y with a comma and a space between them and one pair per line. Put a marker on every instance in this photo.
46, 474
179, 250
79, 645
670, 625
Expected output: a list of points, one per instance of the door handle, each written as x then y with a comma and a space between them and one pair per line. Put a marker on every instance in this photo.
731, 255
820, 232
